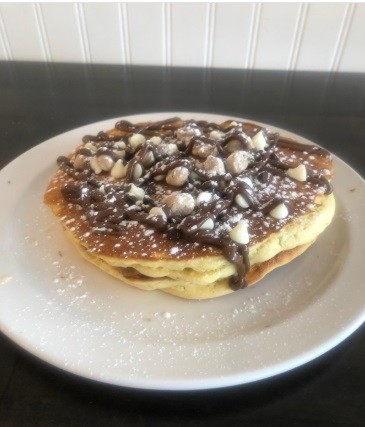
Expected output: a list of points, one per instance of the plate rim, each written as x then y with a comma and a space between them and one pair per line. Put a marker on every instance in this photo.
219, 381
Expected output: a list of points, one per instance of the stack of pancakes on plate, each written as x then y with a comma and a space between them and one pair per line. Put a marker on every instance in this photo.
193, 208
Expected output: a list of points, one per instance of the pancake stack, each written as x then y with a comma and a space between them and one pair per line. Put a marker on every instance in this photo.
192, 208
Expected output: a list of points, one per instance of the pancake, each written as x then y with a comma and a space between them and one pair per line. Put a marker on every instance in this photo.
192, 208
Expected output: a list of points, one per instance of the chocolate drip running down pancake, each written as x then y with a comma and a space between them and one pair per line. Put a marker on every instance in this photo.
193, 208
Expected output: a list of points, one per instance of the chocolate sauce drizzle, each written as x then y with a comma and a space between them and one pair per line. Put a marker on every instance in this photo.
106, 204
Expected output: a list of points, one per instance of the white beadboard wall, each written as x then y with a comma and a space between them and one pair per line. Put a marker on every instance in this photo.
286, 36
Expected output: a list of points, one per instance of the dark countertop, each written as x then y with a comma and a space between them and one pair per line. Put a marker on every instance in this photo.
39, 101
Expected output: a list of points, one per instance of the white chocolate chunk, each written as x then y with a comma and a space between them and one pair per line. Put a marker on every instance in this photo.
239, 233
171, 149
136, 140
186, 133
204, 197
299, 173
180, 203
159, 178
79, 162
214, 165
119, 170
119, 145
137, 192
216, 135
202, 150
247, 180
259, 141
149, 159
157, 211
177, 176
156, 140
237, 162
119, 153
137, 171
233, 145
105, 162
241, 201
94, 164
207, 225
250, 142
280, 211
167, 149
90, 146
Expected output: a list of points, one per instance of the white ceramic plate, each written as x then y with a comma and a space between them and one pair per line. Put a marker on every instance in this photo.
68, 313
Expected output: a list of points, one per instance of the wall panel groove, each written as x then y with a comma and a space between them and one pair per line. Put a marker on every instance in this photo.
254, 29
298, 35
166, 38
343, 35
125, 31
42, 31
5, 41
84, 40
209, 40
